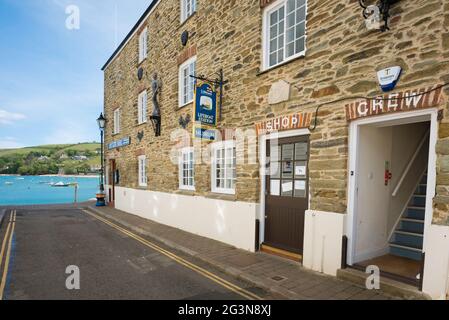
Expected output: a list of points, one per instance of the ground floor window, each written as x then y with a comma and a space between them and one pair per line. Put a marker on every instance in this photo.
224, 167
142, 171
187, 169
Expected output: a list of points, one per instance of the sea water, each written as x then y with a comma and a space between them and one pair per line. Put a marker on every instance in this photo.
38, 190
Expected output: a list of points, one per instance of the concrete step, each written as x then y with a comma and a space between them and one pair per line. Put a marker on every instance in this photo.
387, 286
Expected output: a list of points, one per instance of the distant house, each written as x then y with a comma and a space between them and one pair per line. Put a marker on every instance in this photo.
43, 158
63, 156
95, 168
80, 158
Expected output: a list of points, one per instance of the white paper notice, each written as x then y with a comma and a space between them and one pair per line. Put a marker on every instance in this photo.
287, 187
300, 171
274, 187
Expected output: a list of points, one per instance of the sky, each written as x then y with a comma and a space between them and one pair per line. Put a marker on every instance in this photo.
51, 83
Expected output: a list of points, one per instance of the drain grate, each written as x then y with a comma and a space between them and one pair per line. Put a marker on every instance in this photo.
278, 278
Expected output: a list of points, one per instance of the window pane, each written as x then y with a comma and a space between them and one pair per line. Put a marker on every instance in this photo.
301, 169
301, 151
275, 171
287, 188
287, 152
300, 45
287, 169
275, 187
300, 189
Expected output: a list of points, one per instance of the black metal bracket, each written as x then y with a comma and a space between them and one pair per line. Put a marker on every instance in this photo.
384, 8
218, 83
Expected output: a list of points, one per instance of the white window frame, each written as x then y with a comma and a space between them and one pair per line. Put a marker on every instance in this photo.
181, 89
142, 171
185, 13
142, 107
266, 35
117, 119
214, 148
143, 45
190, 152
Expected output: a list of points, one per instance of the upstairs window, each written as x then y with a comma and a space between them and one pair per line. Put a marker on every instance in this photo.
187, 169
142, 171
186, 82
284, 31
142, 107
143, 45
116, 122
188, 7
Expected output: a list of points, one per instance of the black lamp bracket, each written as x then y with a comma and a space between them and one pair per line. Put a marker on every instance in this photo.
384, 9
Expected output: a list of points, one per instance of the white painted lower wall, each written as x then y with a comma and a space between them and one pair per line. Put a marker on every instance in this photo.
231, 222
323, 237
436, 267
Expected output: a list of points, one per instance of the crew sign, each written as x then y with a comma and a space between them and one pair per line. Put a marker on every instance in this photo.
205, 105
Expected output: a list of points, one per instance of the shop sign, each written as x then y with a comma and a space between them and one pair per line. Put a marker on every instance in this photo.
394, 102
204, 133
290, 122
205, 105
119, 143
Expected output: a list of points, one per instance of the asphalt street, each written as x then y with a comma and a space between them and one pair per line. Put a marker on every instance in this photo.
113, 263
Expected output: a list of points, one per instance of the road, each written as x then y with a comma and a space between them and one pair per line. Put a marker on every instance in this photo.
41, 242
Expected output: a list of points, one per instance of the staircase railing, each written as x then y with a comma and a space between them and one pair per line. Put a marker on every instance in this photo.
410, 164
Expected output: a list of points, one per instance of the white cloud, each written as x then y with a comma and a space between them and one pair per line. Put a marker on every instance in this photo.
10, 117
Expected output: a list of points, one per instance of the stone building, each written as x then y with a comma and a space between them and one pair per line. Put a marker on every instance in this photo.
357, 176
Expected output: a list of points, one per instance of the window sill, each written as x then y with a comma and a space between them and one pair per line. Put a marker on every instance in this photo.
266, 70
188, 104
185, 192
141, 63
221, 196
115, 134
187, 19
141, 124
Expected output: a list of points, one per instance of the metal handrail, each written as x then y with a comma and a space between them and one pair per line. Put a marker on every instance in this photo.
409, 166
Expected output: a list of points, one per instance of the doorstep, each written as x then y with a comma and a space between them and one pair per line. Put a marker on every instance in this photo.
278, 275
387, 285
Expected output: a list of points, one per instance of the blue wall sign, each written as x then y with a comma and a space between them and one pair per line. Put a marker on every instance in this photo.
204, 134
205, 105
120, 143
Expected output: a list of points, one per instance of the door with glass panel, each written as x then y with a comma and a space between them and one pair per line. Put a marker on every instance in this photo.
287, 193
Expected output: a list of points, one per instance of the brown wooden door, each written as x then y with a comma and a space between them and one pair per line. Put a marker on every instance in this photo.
287, 193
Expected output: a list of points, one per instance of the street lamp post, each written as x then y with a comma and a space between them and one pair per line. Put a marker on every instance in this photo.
101, 125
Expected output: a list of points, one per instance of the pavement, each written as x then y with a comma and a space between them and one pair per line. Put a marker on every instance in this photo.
113, 263
277, 275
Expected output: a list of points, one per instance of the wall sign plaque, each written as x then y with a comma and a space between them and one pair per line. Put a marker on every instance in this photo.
290, 122
395, 102
120, 143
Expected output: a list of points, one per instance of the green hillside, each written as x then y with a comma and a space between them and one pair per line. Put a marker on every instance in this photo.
81, 158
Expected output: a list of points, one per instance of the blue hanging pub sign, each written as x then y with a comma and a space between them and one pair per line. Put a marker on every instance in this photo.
205, 105
205, 112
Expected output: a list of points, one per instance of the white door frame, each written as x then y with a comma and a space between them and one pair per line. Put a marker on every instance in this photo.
262, 161
354, 130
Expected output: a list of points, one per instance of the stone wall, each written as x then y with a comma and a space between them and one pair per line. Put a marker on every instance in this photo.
341, 61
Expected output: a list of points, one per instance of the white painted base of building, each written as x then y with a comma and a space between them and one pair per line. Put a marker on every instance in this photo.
230, 222
323, 237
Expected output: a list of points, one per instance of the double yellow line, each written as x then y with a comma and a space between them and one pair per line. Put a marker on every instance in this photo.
222, 282
6, 247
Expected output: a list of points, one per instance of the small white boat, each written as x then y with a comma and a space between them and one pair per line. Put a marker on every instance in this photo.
60, 185
20, 178
9, 183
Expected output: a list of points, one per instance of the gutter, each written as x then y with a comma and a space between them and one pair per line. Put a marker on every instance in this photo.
131, 33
